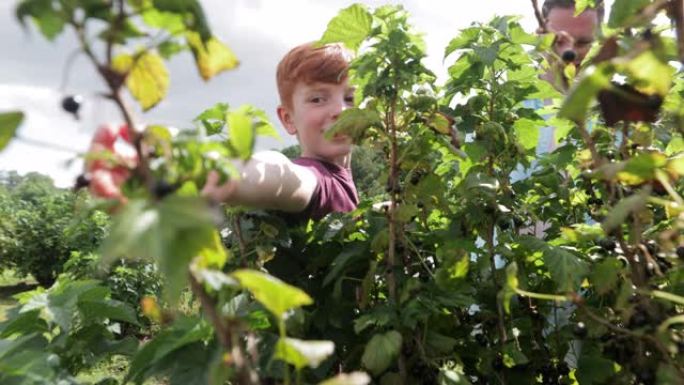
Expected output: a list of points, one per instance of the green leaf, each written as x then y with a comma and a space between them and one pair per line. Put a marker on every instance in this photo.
50, 21
241, 133
618, 214
350, 27
623, 10
381, 351
148, 78
527, 132
277, 296
354, 378
172, 22
353, 122
183, 332
641, 168
651, 73
512, 356
566, 269
605, 275
300, 353
214, 279
452, 377
581, 5
109, 308
576, 105
592, 368
675, 146
465, 38
192, 15
211, 57
172, 231
9, 122
509, 290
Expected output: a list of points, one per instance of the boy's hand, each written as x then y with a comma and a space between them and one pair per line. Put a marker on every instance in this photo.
215, 192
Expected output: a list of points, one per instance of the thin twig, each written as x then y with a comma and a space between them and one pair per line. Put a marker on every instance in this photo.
538, 15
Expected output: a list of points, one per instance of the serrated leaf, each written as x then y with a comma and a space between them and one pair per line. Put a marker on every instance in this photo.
652, 74
605, 274
527, 132
350, 27
619, 213
623, 10
241, 133
353, 122
641, 168
148, 78
581, 5
576, 105
172, 232
109, 308
592, 368
354, 378
381, 351
300, 353
566, 269
9, 122
183, 332
211, 57
277, 296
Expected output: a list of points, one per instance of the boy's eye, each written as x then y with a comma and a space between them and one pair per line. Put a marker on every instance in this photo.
349, 99
316, 99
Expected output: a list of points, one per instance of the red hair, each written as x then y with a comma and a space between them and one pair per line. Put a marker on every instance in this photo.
309, 63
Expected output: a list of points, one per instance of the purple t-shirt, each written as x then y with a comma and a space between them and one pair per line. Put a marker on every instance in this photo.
335, 190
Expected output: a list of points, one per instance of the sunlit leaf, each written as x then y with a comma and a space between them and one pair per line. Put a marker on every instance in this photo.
353, 122
354, 378
300, 353
241, 133
9, 122
277, 296
212, 56
350, 27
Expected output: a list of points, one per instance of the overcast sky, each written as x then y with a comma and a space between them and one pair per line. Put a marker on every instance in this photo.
259, 31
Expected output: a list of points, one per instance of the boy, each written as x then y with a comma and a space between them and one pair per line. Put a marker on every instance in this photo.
313, 88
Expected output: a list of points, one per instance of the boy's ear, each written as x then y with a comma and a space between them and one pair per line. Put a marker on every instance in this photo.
285, 117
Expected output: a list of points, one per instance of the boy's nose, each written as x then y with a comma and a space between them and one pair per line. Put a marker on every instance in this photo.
338, 107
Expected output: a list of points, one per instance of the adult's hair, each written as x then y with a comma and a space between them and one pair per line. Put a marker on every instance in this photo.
551, 4
308, 63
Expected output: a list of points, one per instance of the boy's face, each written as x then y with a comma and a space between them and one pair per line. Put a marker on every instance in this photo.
314, 108
574, 34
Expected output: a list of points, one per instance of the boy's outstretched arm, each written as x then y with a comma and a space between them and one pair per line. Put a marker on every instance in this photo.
269, 180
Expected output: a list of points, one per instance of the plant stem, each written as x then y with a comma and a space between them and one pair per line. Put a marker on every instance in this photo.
227, 337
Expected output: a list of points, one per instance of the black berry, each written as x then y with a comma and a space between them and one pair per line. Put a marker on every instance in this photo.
81, 182
680, 252
607, 244
569, 56
72, 103
580, 330
163, 188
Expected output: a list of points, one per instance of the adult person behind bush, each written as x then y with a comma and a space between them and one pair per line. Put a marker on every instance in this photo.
574, 35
